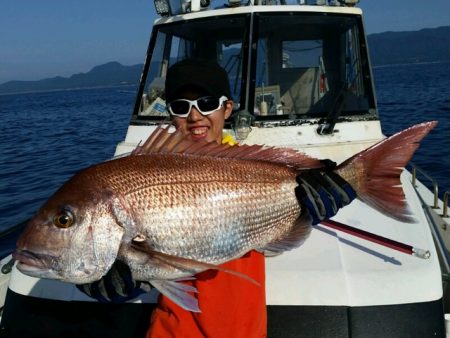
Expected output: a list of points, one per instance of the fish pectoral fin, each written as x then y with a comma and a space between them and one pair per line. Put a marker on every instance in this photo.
178, 293
299, 233
186, 264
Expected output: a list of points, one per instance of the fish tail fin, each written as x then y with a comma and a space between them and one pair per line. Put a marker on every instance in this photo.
381, 166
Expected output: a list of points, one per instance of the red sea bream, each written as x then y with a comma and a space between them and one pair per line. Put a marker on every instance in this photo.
174, 208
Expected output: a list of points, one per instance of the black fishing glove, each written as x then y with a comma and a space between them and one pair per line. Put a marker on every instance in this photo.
323, 193
116, 286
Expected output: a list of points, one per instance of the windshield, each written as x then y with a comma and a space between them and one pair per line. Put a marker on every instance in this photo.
301, 65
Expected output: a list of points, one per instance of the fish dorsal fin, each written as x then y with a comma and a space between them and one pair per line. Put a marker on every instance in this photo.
161, 141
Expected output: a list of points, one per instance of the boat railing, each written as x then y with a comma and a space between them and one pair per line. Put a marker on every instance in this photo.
415, 170
445, 206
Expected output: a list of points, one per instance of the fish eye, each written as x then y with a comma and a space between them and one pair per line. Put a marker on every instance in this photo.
64, 219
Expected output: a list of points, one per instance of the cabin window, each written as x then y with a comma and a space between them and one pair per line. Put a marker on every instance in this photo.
301, 53
230, 58
181, 40
309, 67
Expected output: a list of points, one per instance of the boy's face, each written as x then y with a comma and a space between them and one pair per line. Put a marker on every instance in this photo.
196, 126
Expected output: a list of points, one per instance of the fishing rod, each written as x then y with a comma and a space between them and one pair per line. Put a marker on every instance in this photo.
368, 236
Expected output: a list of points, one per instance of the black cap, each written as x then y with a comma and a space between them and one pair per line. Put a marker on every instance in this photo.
205, 75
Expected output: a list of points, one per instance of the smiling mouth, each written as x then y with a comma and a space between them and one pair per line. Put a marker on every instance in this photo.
198, 132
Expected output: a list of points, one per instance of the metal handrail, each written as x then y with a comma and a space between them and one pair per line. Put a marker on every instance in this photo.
445, 205
416, 169
446, 195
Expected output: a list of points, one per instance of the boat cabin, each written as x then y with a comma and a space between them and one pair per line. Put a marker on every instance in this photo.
286, 64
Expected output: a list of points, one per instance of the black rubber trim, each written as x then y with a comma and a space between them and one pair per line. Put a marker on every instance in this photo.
38, 318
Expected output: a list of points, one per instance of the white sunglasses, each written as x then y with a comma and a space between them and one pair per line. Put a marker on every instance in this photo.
206, 105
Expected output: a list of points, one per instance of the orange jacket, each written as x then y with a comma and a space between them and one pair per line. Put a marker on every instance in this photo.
231, 306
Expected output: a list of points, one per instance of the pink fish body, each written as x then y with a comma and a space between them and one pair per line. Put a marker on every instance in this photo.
174, 208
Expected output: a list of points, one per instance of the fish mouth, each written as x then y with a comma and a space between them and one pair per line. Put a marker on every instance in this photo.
33, 264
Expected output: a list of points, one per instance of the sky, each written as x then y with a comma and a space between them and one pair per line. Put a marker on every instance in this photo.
47, 38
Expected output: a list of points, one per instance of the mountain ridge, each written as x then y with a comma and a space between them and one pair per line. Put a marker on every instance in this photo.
109, 74
425, 45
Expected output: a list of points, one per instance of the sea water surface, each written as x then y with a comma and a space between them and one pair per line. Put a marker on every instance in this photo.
46, 137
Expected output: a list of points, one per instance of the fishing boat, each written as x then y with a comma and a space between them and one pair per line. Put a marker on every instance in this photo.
301, 77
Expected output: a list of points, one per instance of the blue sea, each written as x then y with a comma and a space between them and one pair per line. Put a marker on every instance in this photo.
46, 137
